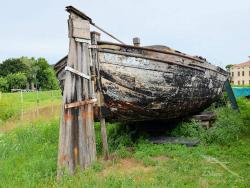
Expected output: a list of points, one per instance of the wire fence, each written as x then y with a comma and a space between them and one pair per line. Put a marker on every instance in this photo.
15, 105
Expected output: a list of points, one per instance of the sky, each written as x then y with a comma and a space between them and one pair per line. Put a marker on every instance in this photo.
218, 30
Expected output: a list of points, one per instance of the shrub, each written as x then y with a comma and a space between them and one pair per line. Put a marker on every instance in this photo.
192, 129
226, 129
16, 81
3, 84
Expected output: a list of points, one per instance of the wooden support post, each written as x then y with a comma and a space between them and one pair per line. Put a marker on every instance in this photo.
104, 138
95, 37
77, 145
21, 92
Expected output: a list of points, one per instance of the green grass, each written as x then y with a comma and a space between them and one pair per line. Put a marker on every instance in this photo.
10, 103
28, 157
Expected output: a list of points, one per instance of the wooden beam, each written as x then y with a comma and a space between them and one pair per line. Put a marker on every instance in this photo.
94, 38
68, 68
79, 103
77, 135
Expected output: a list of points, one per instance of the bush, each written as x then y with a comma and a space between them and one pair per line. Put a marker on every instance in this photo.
45, 75
192, 129
16, 81
3, 84
226, 129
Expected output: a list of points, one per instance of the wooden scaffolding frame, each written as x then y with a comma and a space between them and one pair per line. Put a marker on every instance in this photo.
82, 91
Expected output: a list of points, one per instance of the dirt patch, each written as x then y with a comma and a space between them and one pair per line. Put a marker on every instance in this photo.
47, 112
160, 158
124, 167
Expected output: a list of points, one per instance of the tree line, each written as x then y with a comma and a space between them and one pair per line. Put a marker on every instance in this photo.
27, 73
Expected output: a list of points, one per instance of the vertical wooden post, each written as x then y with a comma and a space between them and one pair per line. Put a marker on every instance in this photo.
21, 92
37, 103
52, 101
77, 145
95, 37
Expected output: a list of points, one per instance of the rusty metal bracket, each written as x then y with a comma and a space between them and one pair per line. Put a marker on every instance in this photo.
79, 103
67, 68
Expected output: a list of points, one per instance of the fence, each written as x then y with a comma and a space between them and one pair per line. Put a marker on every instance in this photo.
15, 105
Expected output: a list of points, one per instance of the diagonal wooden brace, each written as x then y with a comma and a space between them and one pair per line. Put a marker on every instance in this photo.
67, 68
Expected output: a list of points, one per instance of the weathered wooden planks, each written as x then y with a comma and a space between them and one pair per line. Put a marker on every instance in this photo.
77, 145
96, 71
137, 88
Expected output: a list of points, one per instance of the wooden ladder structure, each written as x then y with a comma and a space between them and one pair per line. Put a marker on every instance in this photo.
82, 91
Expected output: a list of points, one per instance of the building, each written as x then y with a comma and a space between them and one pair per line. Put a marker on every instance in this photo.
240, 73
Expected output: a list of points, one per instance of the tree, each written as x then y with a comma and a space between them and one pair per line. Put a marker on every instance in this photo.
229, 66
45, 75
3, 84
37, 72
31, 70
16, 81
13, 65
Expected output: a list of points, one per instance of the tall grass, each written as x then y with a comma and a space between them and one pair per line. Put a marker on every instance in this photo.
28, 156
228, 127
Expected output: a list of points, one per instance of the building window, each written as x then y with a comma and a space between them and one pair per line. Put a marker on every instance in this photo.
243, 82
232, 82
239, 73
238, 82
242, 73
233, 73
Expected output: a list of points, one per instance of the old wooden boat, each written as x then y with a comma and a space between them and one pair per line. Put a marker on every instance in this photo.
154, 82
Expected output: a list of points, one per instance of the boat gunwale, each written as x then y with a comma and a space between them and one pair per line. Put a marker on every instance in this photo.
154, 50
159, 60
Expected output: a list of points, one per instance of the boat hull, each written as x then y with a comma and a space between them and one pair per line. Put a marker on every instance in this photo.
138, 89
141, 84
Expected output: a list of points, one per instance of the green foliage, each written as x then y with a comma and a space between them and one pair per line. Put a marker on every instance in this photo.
37, 72
31, 70
16, 81
11, 66
227, 128
7, 110
3, 84
28, 155
28, 158
244, 105
119, 136
229, 66
45, 75
192, 129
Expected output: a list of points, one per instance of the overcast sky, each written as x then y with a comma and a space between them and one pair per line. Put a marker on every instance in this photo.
218, 30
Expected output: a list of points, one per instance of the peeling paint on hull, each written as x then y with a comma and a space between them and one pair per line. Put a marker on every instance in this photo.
132, 93
142, 84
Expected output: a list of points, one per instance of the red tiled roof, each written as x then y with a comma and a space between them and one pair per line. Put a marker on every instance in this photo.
242, 64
